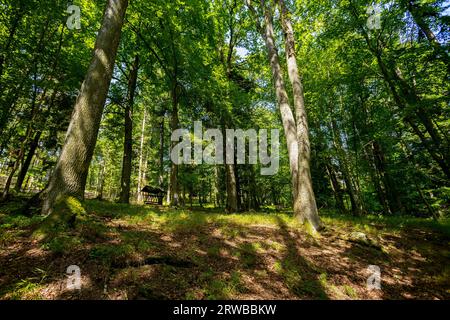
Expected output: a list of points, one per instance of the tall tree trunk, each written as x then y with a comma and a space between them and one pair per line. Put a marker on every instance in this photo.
17, 162
232, 201
125, 181
26, 138
35, 142
8, 182
217, 194
335, 185
101, 181
230, 180
375, 177
174, 123
303, 211
27, 162
254, 203
395, 204
70, 174
161, 152
351, 189
141, 157
306, 198
356, 210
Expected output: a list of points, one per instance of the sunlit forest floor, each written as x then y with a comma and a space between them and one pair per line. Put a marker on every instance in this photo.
145, 252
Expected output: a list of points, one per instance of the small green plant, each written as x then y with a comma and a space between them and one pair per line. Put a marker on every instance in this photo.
248, 254
61, 244
29, 288
349, 291
213, 251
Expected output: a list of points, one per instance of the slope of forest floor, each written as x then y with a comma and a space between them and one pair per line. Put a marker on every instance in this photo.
138, 252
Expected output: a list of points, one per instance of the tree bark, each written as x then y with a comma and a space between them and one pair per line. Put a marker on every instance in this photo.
302, 210
161, 152
394, 202
70, 174
232, 201
15, 167
351, 189
174, 123
27, 162
306, 198
141, 158
125, 180
101, 181
230, 179
335, 185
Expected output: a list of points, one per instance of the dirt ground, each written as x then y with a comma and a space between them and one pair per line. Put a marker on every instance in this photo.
145, 255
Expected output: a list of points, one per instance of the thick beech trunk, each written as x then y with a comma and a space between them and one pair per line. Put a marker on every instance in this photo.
70, 174
303, 198
306, 198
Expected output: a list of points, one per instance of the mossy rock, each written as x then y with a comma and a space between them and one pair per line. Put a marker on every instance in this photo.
362, 239
66, 211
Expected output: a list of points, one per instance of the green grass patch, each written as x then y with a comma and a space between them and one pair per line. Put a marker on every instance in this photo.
62, 244
371, 223
221, 288
106, 253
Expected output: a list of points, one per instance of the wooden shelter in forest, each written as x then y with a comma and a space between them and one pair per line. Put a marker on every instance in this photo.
153, 195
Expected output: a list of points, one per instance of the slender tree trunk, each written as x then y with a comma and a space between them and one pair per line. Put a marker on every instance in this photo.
16, 165
24, 143
230, 180
352, 191
161, 152
101, 182
141, 157
174, 123
217, 195
8, 182
335, 185
128, 137
356, 211
35, 142
232, 201
26, 164
70, 173
254, 203
395, 204
375, 177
